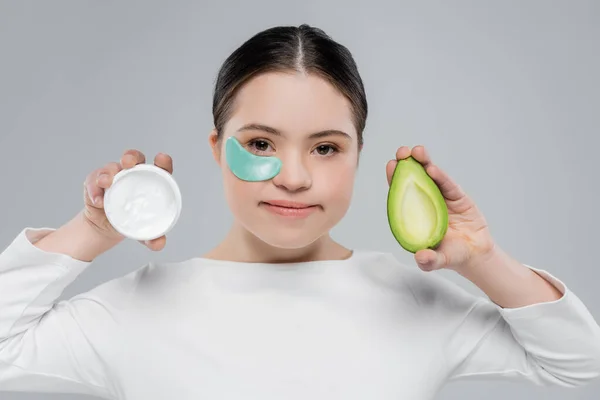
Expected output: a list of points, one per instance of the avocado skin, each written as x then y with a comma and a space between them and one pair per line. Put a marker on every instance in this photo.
409, 168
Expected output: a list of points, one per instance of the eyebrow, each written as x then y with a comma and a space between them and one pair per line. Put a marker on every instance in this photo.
273, 131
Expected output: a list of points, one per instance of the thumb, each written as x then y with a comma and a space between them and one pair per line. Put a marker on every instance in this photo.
155, 244
430, 260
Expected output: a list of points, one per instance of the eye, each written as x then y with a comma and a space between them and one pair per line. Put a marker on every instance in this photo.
259, 145
326, 150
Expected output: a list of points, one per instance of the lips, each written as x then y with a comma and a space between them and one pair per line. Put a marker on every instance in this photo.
288, 204
289, 208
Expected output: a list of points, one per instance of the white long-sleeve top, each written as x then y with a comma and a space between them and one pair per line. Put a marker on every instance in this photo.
367, 327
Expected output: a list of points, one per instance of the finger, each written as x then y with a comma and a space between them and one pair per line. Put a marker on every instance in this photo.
421, 154
132, 157
449, 188
389, 170
402, 152
164, 161
94, 193
155, 244
105, 176
96, 182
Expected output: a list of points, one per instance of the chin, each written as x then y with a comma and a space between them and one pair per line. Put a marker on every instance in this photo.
289, 239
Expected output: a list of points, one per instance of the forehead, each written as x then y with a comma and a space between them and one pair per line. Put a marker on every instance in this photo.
292, 102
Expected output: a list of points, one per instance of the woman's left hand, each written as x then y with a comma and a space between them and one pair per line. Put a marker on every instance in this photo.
468, 240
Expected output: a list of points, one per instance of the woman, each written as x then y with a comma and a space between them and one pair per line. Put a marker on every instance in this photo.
279, 310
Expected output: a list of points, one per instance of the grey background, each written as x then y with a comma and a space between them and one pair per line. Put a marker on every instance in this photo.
504, 94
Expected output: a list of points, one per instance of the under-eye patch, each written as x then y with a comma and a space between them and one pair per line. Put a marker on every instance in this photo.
247, 166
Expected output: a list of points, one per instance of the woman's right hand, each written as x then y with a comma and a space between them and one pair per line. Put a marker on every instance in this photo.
100, 179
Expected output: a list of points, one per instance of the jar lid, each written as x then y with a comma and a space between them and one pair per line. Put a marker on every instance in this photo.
143, 202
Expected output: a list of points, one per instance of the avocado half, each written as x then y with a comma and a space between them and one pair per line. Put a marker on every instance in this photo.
416, 209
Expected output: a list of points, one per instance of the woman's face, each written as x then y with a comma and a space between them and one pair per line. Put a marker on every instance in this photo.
306, 123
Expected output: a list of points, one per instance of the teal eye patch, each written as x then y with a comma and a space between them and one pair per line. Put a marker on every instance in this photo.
247, 166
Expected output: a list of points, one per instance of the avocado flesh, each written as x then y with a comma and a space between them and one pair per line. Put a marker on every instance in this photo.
416, 209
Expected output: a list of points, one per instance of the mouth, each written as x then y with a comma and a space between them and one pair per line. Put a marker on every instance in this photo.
289, 208
288, 204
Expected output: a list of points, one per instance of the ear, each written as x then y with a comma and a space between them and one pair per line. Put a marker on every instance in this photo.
360, 147
214, 142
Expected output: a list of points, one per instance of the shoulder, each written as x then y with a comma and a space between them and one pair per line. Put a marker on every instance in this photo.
150, 280
431, 291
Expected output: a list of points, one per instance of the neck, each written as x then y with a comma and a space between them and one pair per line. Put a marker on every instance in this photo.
242, 246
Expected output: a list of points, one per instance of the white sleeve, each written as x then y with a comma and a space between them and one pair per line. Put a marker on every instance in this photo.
48, 345
551, 343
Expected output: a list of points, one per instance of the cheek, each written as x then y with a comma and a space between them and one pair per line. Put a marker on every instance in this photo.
240, 195
335, 183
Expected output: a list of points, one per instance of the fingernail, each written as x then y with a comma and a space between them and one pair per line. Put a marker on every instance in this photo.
97, 200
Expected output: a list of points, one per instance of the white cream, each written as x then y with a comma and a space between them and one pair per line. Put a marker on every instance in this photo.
141, 205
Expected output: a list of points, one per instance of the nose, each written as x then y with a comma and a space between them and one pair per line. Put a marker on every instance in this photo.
294, 176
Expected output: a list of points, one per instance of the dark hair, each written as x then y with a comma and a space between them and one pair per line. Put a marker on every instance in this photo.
284, 48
